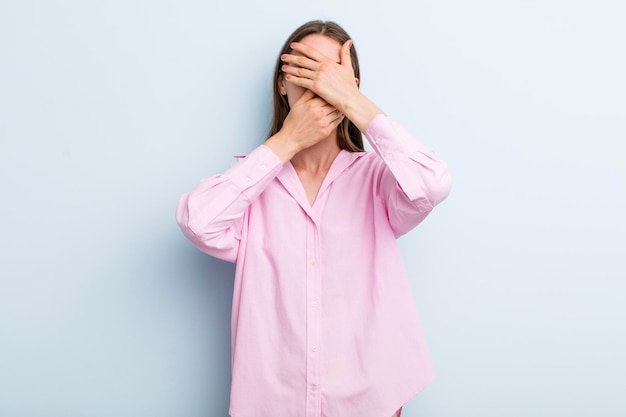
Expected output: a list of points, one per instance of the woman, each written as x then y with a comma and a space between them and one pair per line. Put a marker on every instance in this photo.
323, 323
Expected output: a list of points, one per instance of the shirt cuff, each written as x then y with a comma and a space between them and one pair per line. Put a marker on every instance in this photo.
255, 169
390, 140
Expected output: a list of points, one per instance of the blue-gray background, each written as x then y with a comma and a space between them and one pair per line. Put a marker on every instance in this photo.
109, 110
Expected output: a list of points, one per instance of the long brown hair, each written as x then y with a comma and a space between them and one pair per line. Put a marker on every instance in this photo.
348, 135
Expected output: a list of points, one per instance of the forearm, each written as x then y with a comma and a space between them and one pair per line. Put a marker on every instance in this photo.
210, 215
361, 111
283, 148
412, 180
411, 165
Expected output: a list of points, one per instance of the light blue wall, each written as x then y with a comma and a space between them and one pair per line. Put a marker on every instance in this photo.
109, 110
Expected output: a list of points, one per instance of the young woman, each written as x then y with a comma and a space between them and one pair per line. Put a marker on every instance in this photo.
323, 322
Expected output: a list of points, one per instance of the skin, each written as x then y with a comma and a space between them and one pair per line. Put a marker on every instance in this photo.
321, 90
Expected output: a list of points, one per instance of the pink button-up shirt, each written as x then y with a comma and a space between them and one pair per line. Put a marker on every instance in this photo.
323, 321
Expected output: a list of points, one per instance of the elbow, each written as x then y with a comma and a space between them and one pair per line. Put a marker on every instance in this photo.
440, 189
213, 238
182, 216
186, 222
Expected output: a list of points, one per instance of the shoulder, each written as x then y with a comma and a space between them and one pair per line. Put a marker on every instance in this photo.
366, 164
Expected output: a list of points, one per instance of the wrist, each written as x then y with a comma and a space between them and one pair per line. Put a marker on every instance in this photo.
352, 102
361, 111
282, 146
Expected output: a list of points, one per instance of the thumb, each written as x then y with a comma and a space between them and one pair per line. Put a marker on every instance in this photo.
346, 60
306, 96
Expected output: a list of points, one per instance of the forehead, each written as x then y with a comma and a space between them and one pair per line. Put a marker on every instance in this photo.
328, 46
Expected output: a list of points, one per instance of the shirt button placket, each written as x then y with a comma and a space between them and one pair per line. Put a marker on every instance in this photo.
313, 275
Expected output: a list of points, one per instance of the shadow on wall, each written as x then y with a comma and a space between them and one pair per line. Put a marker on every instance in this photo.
205, 285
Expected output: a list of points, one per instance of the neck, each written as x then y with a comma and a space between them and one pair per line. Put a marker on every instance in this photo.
317, 158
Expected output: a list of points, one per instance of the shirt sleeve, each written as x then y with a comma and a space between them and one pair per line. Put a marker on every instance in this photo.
211, 215
412, 180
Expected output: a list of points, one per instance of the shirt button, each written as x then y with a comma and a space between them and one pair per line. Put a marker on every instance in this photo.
313, 387
314, 304
313, 263
314, 348
248, 180
388, 158
263, 167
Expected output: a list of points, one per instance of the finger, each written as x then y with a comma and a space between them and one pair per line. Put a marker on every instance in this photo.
299, 81
299, 61
346, 59
336, 120
298, 71
309, 51
330, 111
